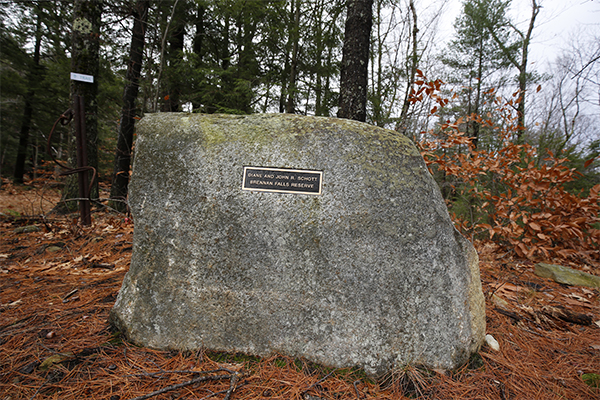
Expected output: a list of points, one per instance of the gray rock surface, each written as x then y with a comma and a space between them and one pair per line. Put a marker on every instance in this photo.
370, 273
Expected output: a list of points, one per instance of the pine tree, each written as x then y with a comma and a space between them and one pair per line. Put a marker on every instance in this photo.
34, 81
497, 23
476, 61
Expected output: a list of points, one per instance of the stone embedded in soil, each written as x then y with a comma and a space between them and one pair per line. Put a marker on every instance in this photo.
370, 273
567, 276
27, 229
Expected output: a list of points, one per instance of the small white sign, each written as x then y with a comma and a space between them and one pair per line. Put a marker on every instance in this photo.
82, 77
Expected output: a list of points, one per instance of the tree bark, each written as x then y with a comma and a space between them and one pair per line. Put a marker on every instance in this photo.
120, 179
355, 60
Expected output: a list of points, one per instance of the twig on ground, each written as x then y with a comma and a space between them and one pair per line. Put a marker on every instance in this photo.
317, 382
356, 389
38, 390
184, 384
232, 385
71, 293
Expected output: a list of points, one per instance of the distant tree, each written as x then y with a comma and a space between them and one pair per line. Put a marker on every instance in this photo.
323, 40
120, 179
34, 86
242, 57
498, 22
476, 60
387, 56
171, 21
13, 60
222, 71
567, 112
403, 40
355, 60
311, 64
34, 72
412, 64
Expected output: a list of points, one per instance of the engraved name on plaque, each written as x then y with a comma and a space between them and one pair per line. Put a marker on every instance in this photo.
282, 180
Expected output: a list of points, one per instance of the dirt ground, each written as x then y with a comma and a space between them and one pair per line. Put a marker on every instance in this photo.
59, 280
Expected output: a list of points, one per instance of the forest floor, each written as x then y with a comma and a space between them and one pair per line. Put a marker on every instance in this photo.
59, 280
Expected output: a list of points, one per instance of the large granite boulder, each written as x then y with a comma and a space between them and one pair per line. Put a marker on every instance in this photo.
363, 269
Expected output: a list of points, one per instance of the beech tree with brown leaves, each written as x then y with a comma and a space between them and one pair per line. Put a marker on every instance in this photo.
510, 197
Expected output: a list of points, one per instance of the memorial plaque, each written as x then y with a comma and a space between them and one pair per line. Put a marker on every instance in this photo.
280, 180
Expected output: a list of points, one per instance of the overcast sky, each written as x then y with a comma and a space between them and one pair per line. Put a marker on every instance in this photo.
558, 22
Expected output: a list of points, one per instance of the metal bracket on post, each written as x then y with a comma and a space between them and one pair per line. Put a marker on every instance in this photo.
85, 188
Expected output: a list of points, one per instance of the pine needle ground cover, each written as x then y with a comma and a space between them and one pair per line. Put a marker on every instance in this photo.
59, 281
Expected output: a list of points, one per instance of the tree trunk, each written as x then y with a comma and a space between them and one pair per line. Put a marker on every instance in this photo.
161, 66
197, 47
173, 81
290, 106
199, 36
413, 64
246, 68
535, 9
120, 179
319, 45
477, 106
520, 65
28, 109
285, 73
355, 60
377, 76
85, 60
